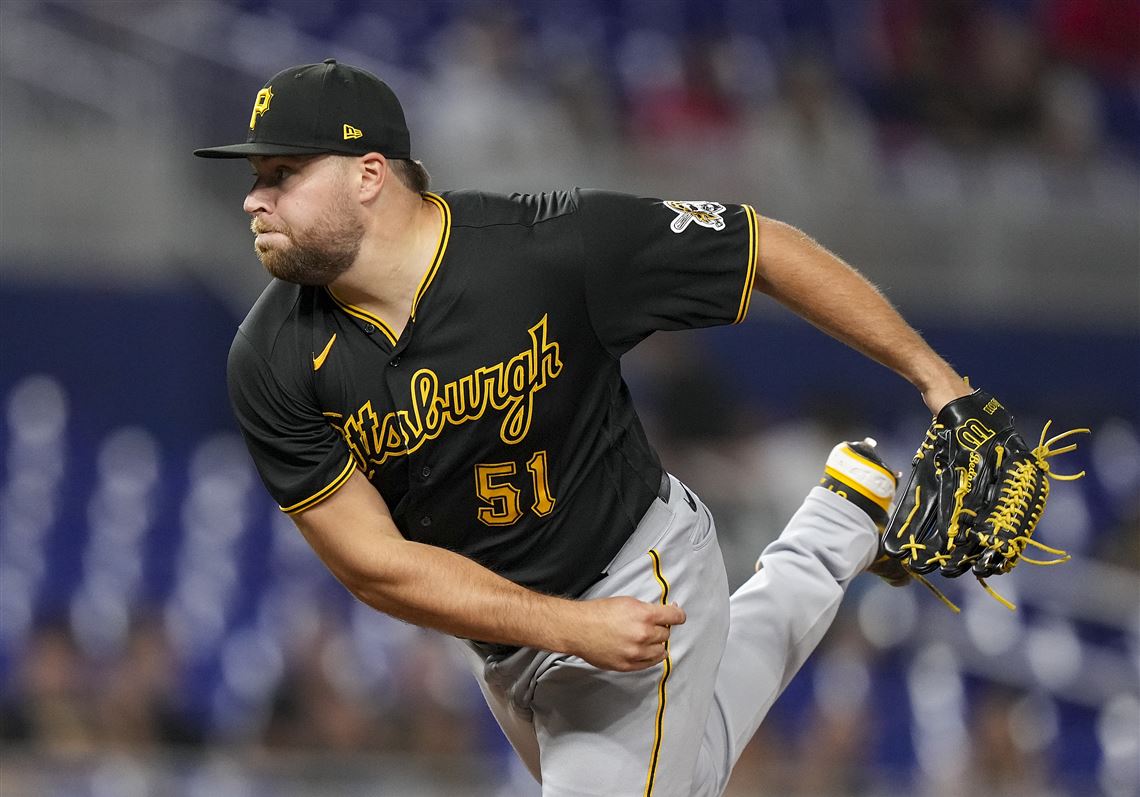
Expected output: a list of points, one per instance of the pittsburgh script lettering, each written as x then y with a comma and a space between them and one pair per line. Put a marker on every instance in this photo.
507, 386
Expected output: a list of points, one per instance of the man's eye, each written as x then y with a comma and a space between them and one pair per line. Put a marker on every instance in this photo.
275, 176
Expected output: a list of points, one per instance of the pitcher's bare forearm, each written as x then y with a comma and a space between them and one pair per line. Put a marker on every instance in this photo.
354, 534
815, 284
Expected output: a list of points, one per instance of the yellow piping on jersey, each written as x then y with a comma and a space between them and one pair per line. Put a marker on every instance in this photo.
324, 493
658, 725
750, 275
429, 275
440, 248
363, 315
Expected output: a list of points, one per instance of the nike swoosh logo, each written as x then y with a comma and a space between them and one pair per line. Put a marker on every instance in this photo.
319, 360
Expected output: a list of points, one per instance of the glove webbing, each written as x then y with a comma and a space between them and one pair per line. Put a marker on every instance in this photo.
1013, 503
1016, 491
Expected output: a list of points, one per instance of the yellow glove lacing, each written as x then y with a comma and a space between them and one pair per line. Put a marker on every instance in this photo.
914, 546
1017, 491
1014, 509
966, 477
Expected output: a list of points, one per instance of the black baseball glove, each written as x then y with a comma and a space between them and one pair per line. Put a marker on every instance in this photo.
975, 494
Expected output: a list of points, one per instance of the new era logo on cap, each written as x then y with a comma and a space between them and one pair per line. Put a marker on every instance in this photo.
310, 103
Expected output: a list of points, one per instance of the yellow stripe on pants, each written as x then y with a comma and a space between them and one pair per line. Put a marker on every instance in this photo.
660, 720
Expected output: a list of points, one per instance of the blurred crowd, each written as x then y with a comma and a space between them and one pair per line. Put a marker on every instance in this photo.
910, 93
212, 628
68, 709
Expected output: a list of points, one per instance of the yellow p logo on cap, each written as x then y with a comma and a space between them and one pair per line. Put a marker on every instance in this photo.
260, 105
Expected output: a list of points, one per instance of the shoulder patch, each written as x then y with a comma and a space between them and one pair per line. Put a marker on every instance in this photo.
706, 214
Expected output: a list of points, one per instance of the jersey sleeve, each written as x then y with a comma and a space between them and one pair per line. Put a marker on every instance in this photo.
664, 265
301, 458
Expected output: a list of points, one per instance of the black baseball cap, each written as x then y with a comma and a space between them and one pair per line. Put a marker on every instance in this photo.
326, 107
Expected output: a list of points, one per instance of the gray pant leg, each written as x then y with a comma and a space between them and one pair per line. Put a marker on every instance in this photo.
605, 733
585, 731
778, 617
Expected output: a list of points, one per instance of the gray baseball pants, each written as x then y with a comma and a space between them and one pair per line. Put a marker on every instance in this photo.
678, 728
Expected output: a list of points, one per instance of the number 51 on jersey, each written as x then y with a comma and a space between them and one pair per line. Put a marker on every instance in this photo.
493, 485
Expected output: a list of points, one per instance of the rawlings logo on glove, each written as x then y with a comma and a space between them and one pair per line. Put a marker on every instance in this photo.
975, 495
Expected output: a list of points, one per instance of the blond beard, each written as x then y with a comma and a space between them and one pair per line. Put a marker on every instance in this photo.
318, 255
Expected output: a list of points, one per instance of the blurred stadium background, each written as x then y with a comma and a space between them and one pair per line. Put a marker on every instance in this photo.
165, 631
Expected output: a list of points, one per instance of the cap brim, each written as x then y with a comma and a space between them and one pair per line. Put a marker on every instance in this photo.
257, 148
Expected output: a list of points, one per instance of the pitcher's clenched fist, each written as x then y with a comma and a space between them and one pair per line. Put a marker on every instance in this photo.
623, 633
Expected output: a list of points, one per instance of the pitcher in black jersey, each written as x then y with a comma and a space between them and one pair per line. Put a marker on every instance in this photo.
431, 388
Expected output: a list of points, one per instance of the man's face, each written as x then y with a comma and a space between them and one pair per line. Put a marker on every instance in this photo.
308, 230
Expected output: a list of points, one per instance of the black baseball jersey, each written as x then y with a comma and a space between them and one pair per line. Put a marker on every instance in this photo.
497, 424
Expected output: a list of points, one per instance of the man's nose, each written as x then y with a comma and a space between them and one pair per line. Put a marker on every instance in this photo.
256, 201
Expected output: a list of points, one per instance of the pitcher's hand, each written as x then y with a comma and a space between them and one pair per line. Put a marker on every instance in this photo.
623, 633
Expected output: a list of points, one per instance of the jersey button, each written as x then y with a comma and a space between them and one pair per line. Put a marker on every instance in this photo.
425, 471
369, 328
425, 521
395, 362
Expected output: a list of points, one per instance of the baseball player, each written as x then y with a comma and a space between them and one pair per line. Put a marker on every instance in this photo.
431, 389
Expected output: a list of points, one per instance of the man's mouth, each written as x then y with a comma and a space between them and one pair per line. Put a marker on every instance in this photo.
264, 234
258, 227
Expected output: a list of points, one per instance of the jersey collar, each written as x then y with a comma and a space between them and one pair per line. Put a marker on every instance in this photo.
425, 283
440, 248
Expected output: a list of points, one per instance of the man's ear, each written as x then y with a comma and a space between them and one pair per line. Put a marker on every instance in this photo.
374, 172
